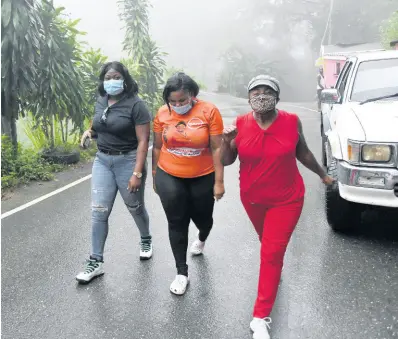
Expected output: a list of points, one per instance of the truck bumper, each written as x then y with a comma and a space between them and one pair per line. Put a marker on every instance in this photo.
368, 185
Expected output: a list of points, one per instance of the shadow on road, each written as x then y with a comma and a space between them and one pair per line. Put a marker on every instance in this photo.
377, 225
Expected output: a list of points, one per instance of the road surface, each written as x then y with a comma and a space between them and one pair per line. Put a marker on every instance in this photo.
333, 286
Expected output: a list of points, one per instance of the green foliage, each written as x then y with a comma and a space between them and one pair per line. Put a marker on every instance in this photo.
62, 133
20, 45
89, 154
35, 134
389, 30
45, 69
28, 165
60, 95
359, 21
20, 41
25, 167
50, 78
145, 61
89, 68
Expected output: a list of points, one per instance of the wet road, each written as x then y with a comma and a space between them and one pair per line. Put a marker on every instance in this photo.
333, 286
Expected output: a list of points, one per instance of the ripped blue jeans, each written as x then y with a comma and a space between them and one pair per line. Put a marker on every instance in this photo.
110, 174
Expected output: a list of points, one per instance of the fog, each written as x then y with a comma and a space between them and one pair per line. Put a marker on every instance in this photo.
284, 35
193, 33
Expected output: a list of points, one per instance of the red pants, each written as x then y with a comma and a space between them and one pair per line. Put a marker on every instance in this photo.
274, 226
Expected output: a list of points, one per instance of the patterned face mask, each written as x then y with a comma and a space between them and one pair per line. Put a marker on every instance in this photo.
263, 103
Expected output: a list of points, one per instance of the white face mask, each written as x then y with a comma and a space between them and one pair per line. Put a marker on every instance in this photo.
114, 87
181, 110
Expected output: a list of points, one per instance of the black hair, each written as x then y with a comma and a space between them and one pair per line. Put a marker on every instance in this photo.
181, 123
177, 82
130, 85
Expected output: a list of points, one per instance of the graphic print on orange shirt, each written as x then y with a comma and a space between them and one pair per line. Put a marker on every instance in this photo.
186, 139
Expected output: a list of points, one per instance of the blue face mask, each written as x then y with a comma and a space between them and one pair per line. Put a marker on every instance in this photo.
114, 87
181, 110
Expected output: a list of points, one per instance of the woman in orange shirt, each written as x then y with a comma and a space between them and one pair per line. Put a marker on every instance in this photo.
186, 166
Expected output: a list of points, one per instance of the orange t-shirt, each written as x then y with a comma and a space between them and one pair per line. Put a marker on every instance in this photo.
186, 152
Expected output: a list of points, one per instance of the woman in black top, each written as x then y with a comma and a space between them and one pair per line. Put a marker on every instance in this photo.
121, 125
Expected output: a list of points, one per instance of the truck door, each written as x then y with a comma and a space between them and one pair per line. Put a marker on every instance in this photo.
341, 86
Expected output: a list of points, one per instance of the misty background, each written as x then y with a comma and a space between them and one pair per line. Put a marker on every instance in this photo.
205, 38
193, 33
219, 42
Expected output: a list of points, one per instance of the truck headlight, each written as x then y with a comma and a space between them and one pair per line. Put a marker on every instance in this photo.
354, 152
376, 153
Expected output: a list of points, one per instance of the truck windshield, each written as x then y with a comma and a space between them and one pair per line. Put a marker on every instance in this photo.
375, 78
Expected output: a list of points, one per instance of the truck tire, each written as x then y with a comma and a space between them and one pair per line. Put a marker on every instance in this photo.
324, 160
342, 215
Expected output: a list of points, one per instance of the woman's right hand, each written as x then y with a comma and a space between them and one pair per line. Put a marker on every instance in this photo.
84, 136
230, 133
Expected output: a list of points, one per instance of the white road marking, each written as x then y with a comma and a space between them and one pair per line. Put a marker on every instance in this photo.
48, 195
301, 107
77, 182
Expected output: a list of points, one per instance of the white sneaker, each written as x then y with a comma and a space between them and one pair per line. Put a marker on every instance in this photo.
197, 247
146, 248
93, 269
179, 285
260, 328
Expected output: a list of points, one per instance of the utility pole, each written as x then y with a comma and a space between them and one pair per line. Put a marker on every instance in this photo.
330, 22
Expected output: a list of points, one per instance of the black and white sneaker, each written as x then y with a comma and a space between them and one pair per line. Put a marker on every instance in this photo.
93, 269
146, 248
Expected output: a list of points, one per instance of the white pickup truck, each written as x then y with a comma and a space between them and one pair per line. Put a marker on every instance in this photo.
359, 128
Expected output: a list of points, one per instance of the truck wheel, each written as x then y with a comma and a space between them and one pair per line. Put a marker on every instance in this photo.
324, 160
342, 215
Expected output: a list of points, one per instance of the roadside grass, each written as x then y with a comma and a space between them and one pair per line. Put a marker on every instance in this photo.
28, 164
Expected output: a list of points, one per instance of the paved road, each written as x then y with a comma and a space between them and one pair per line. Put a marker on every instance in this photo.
333, 286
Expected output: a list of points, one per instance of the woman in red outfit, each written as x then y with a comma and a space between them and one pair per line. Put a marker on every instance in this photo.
268, 141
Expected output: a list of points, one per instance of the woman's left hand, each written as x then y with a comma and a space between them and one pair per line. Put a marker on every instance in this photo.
134, 184
328, 180
219, 190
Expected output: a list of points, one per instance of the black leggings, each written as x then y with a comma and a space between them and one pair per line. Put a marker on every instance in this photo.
184, 200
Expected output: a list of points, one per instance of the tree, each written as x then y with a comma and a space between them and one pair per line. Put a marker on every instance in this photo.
90, 66
389, 30
60, 93
142, 50
20, 45
359, 21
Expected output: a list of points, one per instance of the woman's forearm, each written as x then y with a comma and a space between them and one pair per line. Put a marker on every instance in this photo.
142, 152
218, 166
228, 155
309, 161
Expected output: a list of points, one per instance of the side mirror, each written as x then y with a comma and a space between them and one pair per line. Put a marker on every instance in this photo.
330, 96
